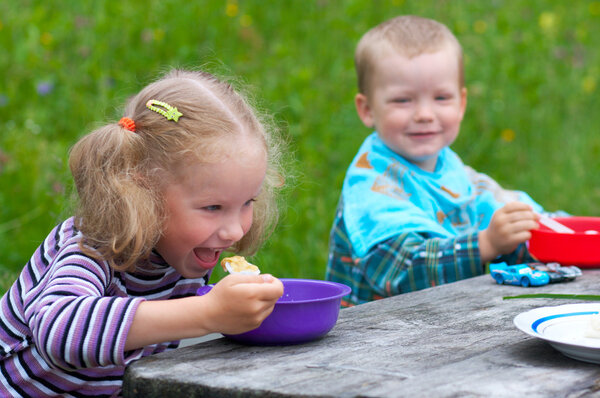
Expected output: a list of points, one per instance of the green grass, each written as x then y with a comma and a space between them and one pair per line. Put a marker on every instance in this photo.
532, 70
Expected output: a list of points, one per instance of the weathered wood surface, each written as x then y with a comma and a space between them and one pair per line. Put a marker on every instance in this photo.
455, 340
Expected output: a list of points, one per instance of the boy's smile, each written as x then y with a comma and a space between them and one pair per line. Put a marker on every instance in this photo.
415, 104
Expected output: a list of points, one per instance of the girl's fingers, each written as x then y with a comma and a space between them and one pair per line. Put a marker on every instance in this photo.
245, 278
263, 287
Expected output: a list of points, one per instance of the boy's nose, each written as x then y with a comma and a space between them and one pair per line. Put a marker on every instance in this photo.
423, 113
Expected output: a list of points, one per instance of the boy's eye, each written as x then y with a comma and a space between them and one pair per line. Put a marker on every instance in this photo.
212, 207
444, 97
401, 100
248, 203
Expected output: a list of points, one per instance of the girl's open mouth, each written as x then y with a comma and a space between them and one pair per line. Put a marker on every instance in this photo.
207, 258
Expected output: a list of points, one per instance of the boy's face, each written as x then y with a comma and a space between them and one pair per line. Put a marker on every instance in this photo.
415, 104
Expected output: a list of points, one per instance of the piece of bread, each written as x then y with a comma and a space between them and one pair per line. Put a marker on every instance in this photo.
238, 264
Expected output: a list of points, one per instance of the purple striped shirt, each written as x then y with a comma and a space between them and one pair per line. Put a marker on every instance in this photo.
64, 322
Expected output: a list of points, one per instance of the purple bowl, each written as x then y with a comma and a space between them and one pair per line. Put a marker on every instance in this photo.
307, 310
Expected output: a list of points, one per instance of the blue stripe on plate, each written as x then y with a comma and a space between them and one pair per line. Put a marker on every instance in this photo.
537, 323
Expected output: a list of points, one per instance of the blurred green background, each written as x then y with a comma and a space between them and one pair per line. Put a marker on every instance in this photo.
532, 71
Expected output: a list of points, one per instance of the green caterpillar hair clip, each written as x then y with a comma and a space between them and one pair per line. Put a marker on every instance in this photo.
170, 112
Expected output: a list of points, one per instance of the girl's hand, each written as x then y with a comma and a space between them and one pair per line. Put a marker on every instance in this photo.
239, 303
509, 227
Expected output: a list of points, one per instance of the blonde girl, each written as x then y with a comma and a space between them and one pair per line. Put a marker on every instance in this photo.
190, 170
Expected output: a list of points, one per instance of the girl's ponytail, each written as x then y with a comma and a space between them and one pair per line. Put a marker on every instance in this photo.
118, 213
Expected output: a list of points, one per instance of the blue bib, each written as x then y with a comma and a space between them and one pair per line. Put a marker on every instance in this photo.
384, 195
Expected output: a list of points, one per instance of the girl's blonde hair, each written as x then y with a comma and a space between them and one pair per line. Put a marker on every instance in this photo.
407, 35
120, 175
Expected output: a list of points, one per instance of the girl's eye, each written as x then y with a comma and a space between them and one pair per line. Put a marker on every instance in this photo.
443, 97
401, 100
248, 203
212, 207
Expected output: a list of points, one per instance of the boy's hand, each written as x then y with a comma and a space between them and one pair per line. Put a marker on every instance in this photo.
239, 303
509, 227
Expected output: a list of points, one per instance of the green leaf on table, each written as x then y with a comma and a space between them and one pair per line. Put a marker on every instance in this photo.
588, 297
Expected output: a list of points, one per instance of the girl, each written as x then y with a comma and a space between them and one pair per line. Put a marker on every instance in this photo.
189, 172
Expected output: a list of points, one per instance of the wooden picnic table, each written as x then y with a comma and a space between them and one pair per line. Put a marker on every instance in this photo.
454, 340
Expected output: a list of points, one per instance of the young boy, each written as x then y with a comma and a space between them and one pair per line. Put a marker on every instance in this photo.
411, 214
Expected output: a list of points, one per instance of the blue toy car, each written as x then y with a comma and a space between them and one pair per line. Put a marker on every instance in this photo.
520, 274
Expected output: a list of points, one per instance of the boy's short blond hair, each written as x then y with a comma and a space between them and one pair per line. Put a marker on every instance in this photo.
407, 35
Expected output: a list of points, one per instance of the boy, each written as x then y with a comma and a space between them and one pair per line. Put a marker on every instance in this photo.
411, 214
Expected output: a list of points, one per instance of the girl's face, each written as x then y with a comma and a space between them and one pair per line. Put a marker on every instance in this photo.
210, 209
415, 104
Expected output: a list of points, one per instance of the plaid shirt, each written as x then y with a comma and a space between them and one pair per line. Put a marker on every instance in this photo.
404, 263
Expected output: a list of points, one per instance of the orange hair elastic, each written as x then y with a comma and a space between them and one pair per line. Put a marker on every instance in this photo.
127, 124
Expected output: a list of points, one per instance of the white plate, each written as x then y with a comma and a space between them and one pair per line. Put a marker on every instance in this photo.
564, 327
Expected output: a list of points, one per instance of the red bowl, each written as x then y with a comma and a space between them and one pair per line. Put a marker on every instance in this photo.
581, 248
